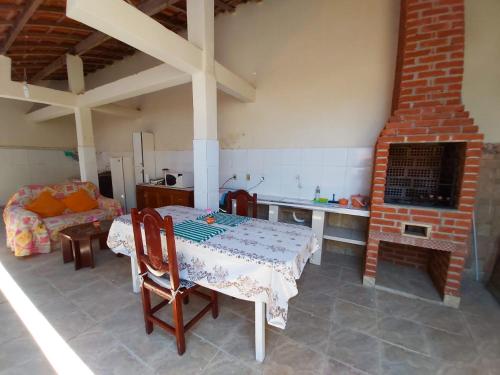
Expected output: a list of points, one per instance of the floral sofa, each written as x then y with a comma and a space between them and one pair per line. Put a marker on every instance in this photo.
28, 233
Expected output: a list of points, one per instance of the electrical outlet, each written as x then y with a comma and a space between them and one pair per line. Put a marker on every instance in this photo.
234, 176
248, 176
262, 178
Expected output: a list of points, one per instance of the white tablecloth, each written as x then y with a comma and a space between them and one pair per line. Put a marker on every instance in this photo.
258, 260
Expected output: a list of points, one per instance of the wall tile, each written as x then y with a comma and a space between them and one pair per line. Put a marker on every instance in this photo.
291, 156
312, 156
360, 157
335, 156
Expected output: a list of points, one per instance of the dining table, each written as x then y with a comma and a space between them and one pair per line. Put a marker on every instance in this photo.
251, 259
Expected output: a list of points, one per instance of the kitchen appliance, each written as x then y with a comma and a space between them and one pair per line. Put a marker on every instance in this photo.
157, 181
144, 156
123, 181
178, 179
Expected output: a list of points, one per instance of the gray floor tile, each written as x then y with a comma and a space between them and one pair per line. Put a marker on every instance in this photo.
290, 357
358, 294
453, 348
225, 364
318, 304
38, 365
355, 348
403, 332
198, 355
307, 329
348, 315
396, 361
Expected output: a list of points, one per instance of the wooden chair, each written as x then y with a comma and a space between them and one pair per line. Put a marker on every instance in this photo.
243, 200
162, 277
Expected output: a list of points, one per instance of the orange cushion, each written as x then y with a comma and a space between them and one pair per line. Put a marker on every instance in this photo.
46, 205
80, 201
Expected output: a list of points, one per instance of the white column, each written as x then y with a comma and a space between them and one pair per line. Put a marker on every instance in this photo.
205, 143
86, 148
83, 119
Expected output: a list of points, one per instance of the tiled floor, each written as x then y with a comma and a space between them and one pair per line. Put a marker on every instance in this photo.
335, 326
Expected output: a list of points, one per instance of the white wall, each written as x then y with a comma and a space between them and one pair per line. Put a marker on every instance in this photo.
17, 131
293, 173
33, 166
482, 65
323, 69
23, 157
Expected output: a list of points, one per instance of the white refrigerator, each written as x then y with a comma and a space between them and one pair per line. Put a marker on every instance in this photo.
123, 180
144, 156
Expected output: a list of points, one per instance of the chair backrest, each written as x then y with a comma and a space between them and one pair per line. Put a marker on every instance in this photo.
155, 227
243, 200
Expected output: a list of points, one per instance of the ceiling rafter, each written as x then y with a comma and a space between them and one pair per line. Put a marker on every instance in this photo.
48, 35
19, 23
224, 6
150, 7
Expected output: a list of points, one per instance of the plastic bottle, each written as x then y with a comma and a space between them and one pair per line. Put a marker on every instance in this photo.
317, 193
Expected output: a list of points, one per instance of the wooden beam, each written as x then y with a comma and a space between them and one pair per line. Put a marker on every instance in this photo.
62, 26
223, 5
125, 23
149, 7
21, 20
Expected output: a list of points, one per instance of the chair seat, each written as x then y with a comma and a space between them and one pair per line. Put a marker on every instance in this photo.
164, 281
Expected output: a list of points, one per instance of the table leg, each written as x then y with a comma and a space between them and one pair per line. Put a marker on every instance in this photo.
103, 243
86, 253
318, 225
67, 250
260, 331
76, 254
135, 275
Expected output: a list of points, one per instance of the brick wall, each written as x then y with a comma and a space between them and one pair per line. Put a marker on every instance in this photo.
488, 209
404, 255
427, 107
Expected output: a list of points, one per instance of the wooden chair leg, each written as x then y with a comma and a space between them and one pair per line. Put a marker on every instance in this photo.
215, 305
186, 299
146, 305
179, 325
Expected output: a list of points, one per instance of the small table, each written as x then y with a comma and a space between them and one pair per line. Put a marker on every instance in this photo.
77, 240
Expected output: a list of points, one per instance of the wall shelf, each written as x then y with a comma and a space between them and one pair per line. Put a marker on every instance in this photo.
346, 235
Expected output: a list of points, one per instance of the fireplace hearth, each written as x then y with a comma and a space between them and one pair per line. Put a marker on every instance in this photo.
424, 174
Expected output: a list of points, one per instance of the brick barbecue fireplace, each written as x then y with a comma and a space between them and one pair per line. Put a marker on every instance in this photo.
427, 156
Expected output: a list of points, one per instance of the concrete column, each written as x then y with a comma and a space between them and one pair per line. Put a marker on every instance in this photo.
83, 119
205, 143
86, 148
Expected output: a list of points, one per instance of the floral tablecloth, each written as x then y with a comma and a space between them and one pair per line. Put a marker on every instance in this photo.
257, 260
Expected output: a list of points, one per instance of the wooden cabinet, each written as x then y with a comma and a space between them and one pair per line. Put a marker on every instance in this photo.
160, 196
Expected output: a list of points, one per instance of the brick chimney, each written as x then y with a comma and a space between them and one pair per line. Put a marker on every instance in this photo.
427, 156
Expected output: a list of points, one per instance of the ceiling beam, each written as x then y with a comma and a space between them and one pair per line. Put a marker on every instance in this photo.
30, 93
149, 7
125, 23
20, 21
148, 81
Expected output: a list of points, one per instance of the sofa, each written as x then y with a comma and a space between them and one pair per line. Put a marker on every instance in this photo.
28, 233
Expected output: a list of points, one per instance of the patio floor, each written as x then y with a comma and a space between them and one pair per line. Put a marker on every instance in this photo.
335, 326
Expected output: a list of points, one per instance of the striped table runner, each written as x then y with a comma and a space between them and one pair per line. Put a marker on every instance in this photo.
225, 219
196, 231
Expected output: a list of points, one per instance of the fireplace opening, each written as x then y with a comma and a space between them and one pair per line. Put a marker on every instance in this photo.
425, 174
413, 270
